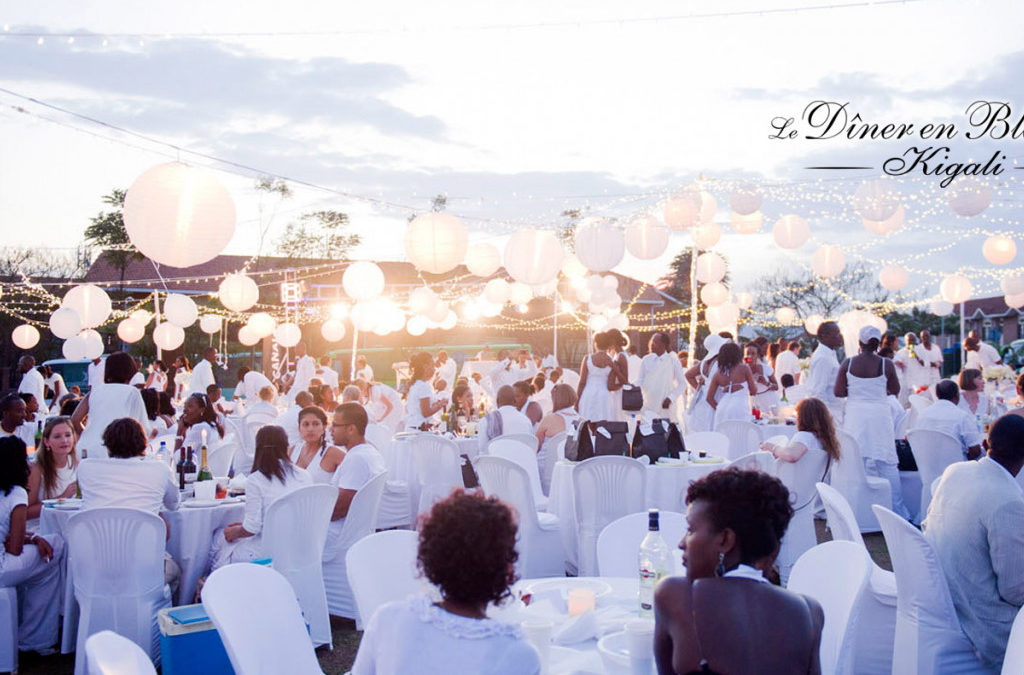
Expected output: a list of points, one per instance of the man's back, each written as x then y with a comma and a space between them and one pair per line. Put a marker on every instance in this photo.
951, 420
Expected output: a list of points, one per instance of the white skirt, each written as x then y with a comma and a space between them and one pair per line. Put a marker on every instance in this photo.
734, 405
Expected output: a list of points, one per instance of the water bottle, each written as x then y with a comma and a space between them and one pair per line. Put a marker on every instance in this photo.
653, 562
161, 453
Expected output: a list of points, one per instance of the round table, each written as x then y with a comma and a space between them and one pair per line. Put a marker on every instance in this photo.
769, 430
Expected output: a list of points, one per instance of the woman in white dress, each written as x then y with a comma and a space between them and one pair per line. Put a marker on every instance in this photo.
595, 400
54, 471
700, 415
182, 378
157, 377
420, 404
314, 454
198, 424
563, 400
106, 402
730, 389
865, 381
767, 396
617, 344
273, 475
467, 549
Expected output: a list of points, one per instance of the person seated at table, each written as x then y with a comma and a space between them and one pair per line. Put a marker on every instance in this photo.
30, 562
973, 398
1020, 397
506, 418
315, 454
946, 416
54, 472
816, 433
724, 616
214, 394
462, 404
263, 408
467, 548
197, 417
324, 398
273, 475
420, 404
522, 391
27, 431
12, 415
158, 424
562, 418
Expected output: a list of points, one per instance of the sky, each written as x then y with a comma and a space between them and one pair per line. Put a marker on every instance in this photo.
516, 111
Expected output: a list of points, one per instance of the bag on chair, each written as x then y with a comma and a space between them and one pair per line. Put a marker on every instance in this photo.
611, 438
577, 442
632, 398
654, 444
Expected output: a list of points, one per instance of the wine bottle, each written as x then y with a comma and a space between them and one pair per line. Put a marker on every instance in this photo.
653, 562
180, 467
204, 468
191, 470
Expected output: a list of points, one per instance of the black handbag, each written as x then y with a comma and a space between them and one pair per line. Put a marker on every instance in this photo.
676, 446
654, 444
611, 438
905, 456
632, 398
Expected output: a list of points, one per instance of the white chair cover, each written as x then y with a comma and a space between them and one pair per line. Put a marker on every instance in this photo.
755, 461
219, 458
744, 437
619, 542
297, 552
552, 451
438, 468
259, 621
836, 575
380, 436
529, 440
107, 653
929, 638
9, 629
513, 449
116, 561
1013, 662
247, 448
860, 490
360, 522
799, 478
933, 451
395, 507
713, 442
382, 568
604, 489
541, 553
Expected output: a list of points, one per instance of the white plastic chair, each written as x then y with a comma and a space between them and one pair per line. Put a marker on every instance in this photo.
9, 629
799, 478
219, 458
528, 440
395, 509
168, 439
744, 437
107, 653
1013, 661
619, 541
297, 552
259, 620
552, 451
860, 490
933, 451
604, 489
360, 522
380, 436
438, 468
836, 575
929, 638
116, 561
382, 568
713, 442
516, 451
247, 447
541, 553
755, 461
877, 629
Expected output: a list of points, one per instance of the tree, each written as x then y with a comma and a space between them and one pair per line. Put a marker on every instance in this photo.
269, 186
567, 232
318, 234
107, 231
676, 281
41, 262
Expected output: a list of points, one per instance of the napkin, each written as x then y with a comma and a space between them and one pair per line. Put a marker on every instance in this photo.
578, 629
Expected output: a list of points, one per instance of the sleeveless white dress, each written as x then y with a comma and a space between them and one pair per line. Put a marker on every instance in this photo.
733, 403
765, 399
595, 403
616, 412
316, 472
702, 415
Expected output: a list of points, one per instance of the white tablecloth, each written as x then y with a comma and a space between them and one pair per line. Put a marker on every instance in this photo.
769, 430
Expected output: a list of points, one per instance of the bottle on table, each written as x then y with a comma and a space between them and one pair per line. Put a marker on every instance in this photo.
181, 469
39, 434
653, 561
161, 453
191, 470
204, 468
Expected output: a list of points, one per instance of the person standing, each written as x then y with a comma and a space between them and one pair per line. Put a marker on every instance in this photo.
620, 372
446, 371
55, 383
824, 367
767, 396
633, 362
32, 382
420, 405
915, 367
700, 414
112, 400
729, 391
865, 381
305, 370
788, 361
96, 372
157, 377
595, 400
328, 375
202, 374
363, 370
932, 354
661, 379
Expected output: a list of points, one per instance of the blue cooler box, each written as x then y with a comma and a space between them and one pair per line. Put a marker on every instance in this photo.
193, 646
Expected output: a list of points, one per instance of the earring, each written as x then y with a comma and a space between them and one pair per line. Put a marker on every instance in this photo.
720, 569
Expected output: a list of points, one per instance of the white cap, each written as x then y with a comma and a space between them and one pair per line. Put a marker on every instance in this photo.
869, 332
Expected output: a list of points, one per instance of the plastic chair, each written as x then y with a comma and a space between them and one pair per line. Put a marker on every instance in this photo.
860, 490
516, 451
929, 638
9, 629
744, 437
836, 575
297, 552
933, 451
529, 440
395, 510
259, 620
541, 553
619, 541
381, 569
438, 468
220, 457
713, 442
604, 489
107, 653
755, 461
799, 478
1013, 661
247, 447
360, 522
379, 436
877, 629
116, 559
549, 454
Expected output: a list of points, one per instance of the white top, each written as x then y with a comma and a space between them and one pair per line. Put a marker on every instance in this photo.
821, 375
549, 361
263, 409
251, 384
505, 373
135, 482
951, 420
202, 377
419, 390
26, 431
329, 376
316, 472
988, 355
108, 402
138, 380
787, 363
416, 636
362, 462
633, 362
378, 393
595, 400
260, 492
194, 436
17, 496
56, 383
446, 372
32, 383
159, 380
868, 417
984, 408
182, 378
305, 369
365, 373
96, 372
661, 377
513, 421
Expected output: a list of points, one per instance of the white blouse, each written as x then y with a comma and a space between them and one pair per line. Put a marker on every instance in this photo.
108, 402
413, 411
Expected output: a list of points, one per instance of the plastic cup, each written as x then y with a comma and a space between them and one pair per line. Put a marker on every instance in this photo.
538, 632
640, 636
206, 490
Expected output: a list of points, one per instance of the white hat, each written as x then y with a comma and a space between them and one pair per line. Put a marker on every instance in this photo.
713, 343
867, 333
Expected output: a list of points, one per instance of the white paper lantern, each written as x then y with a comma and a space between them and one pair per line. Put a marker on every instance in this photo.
544, 290
439, 312
489, 309
999, 250
179, 215
599, 246
417, 325
706, 234
363, 280
496, 291
248, 338
238, 292
483, 259
93, 343
435, 242
955, 288
449, 321
785, 315
812, 323
646, 238
598, 323
683, 211
262, 324
141, 317
180, 310
167, 336
619, 321
876, 200
968, 196
364, 315
422, 300
714, 294
1014, 301
332, 330
74, 348
710, 268
519, 293
745, 199
940, 307
889, 225
288, 334
130, 330
533, 256
65, 323
25, 336
747, 223
791, 231
1012, 284
723, 316
91, 302
828, 261
893, 277
209, 323
744, 300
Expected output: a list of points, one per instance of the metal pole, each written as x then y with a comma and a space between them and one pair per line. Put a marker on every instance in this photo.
555, 309
355, 347
963, 334
692, 343
156, 321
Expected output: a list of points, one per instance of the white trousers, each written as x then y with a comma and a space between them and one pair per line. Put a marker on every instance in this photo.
39, 592
890, 472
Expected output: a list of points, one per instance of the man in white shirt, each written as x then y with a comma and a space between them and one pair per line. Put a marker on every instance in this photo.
361, 464
96, 370
32, 382
549, 361
446, 368
202, 373
289, 419
328, 375
824, 367
934, 357
505, 418
989, 355
661, 378
633, 362
503, 374
363, 370
249, 384
523, 368
788, 362
12, 414
946, 416
305, 370
914, 369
